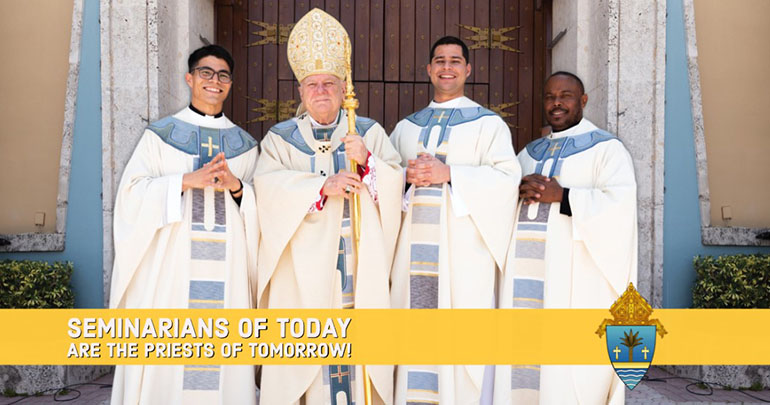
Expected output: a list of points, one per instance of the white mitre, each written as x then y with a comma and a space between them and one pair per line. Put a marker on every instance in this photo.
317, 45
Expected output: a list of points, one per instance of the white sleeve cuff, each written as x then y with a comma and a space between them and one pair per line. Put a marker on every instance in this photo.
575, 229
174, 199
407, 193
370, 178
458, 205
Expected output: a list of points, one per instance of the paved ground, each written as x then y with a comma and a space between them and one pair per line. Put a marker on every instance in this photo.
661, 388
93, 393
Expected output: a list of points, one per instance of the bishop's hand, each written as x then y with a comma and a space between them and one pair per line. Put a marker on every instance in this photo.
355, 149
342, 184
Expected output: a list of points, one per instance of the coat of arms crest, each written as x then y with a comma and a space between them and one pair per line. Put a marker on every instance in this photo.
631, 336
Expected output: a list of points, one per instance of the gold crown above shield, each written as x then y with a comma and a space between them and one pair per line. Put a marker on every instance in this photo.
317, 46
631, 309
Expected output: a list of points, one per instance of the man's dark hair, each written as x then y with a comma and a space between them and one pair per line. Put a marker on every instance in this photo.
570, 75
210, 50
450, 40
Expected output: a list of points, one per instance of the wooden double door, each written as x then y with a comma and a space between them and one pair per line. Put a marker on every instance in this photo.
391, 44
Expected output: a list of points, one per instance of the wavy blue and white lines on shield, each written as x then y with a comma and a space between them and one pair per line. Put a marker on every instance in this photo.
630, 348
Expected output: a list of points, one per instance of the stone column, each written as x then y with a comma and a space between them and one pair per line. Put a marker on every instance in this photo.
618, 47
144, 50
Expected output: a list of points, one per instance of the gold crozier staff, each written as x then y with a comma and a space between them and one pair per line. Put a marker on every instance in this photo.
350, 104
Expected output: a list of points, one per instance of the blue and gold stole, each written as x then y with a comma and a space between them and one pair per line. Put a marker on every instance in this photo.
530, 242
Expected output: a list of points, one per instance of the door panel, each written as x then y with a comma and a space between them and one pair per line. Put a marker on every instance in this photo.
391, 44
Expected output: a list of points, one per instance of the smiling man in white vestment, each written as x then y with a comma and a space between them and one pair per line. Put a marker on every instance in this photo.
575, 240
186, 233
462, 177
303, 186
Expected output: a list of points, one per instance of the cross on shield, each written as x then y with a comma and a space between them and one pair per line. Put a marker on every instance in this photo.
631, 348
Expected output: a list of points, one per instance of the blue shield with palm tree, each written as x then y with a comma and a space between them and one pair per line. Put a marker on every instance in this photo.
631, 348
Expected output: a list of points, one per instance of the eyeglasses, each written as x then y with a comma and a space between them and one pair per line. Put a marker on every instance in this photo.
207, 73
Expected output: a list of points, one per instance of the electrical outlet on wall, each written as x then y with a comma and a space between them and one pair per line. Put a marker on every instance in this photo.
727, 214
40, 219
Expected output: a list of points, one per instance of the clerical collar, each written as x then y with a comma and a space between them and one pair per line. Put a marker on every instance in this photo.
199, 112
206, 121
316, 124
458, 102
323, 132
580, 128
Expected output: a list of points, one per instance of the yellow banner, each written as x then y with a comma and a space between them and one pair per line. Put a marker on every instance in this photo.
367, 337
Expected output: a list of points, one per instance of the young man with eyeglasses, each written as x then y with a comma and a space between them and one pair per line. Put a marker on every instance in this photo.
186, 233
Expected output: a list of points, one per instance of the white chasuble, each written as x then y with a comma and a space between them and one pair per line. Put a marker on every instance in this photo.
195, 249
454, 238
585, 260
305, 258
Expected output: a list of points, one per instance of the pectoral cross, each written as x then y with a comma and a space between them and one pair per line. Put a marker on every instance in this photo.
440, 117
617, 352
210, 145
554, 148
645, 351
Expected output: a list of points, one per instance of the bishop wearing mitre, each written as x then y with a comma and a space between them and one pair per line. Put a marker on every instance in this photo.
307, 257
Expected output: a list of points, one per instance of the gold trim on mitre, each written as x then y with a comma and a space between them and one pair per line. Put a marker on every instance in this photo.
317, 46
